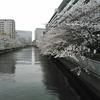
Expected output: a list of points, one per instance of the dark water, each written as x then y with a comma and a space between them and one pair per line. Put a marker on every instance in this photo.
26, 75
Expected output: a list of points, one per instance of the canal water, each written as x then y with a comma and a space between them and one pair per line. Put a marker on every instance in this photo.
27, 75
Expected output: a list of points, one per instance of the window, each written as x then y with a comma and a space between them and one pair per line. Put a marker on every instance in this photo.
86, 1
75, 1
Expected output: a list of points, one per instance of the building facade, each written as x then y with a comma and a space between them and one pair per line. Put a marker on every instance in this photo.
80, 20
7, 26
68, 11
24, 37
39, 32
78, 17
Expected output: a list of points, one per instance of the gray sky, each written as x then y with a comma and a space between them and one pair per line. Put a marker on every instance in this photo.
28, 14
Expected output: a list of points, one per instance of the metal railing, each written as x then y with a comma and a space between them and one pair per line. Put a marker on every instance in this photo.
90, 64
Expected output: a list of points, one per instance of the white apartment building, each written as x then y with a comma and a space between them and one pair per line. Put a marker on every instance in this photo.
39, 32
24, 37
7, 26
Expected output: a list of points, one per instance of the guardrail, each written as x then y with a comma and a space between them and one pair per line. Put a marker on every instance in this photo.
90, 64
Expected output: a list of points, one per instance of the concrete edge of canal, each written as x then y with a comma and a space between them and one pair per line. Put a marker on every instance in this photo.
90, 82
13, 49
9, 50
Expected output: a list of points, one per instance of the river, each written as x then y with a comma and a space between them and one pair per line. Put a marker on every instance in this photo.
27, 75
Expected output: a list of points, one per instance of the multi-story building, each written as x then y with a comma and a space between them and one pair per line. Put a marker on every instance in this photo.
39, 32
7, 26
84, 14
68, 11
24, 37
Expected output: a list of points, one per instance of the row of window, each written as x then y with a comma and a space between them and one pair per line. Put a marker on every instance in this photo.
5, 20
76, 3
7, 31
94, 14
5, 26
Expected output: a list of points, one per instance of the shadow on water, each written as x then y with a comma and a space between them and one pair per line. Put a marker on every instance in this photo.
57, 82
74, 83
54, 81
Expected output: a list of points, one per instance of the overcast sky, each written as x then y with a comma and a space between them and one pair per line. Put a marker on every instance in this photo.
28, 14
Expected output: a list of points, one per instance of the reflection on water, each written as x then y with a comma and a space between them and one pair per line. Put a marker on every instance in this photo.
36, 55
7, 65
8, 60
56, 82
26, 75
23, 62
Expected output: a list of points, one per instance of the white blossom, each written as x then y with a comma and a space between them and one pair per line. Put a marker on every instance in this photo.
7, 43
59, 41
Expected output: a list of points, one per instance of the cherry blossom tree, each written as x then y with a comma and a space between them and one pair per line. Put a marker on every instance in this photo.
7, 43
72, 33
75, 34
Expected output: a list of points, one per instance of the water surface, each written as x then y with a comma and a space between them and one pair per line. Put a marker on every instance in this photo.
26, 75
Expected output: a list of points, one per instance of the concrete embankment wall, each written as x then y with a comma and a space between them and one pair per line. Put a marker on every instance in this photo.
12, 49
9, 50
91, 82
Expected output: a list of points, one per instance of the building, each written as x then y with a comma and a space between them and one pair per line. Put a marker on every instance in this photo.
39, 32
70, 8
7, 26
85, 67
24, 37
